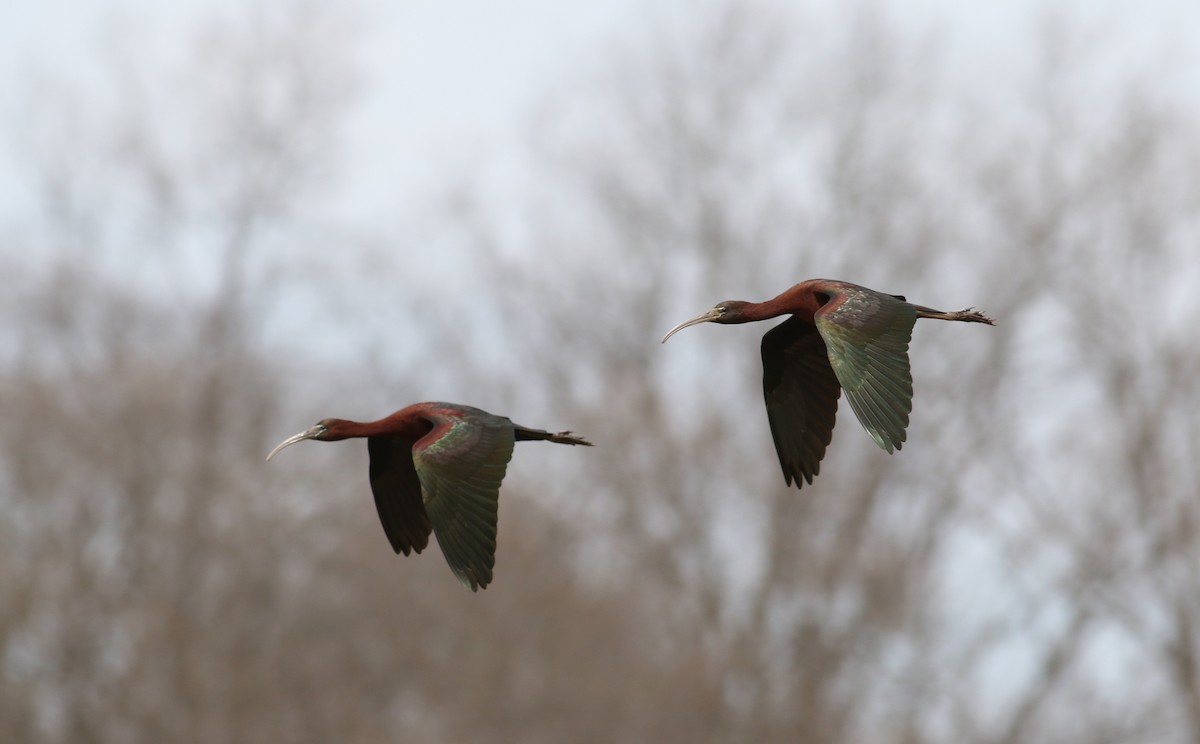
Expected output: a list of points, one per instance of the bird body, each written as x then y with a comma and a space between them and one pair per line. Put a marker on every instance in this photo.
438, 467
840, 336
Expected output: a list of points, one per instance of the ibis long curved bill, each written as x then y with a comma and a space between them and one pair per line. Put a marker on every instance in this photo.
706, 317
312, 433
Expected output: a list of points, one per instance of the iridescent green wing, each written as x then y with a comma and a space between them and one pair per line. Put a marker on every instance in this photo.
867, 334
461, 463
801, 394
397, 492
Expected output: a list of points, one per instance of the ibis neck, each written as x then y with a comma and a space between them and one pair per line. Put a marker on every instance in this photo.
752, 312
801, 304
396, 425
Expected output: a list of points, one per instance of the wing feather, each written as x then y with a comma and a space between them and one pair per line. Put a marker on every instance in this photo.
461, 463
397, 492
801, 393
867, 334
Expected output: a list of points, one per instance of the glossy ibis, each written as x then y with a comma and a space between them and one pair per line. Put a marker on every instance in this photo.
840, 336
438, 466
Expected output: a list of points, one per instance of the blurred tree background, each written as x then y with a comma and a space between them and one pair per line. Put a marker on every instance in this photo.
186, 285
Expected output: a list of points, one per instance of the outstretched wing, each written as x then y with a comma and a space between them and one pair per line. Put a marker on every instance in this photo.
867, 334
460, 464
801, 393
398, 494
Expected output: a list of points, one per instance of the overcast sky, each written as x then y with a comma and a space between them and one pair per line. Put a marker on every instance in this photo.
448, 81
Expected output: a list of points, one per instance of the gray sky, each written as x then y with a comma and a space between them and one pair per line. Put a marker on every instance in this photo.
450, 88
450, 82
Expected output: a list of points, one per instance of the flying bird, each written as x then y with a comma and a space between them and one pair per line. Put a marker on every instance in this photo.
840, 336
438, 466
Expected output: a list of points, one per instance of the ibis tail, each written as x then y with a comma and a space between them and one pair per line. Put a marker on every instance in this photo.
561, 437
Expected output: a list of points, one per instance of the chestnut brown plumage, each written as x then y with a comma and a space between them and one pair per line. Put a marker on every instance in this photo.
437, 467
841, 336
